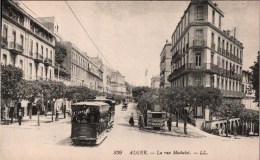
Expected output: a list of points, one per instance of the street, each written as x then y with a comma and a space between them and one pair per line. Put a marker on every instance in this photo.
51, 141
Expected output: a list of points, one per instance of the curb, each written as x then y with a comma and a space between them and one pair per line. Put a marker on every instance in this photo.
168, 134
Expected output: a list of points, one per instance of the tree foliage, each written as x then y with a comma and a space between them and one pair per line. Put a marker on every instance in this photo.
60, 53
138, 91
10, 79
255, 77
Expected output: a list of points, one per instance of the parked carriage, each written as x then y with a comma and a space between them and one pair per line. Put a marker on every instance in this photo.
90, 122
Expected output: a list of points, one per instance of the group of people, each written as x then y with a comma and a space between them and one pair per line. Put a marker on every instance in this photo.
86, 116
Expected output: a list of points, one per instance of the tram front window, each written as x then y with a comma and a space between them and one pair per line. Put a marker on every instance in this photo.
88, 115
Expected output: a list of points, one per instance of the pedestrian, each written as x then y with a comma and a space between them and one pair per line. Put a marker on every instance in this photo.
131, 121
141, 122
235, 131
57, 115
169, 123
20, 116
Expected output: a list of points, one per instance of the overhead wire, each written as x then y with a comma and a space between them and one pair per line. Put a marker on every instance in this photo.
80, 25
87, 33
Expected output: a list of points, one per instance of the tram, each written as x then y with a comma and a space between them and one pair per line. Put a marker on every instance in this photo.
89, 122
112, 104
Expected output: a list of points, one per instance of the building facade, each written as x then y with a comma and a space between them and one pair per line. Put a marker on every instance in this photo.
84, 70
204, 54
165, 65
247, 88
117, 83
155, 82
26, 43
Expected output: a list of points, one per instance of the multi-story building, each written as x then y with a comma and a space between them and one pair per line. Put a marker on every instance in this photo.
26, 43
155, 82
107, 79
204, 54
165, 65
118, 83
247, 88
84, 70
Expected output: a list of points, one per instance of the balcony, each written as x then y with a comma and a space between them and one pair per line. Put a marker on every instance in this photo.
219, 49
31, 54
4, 42
16, 48
223, 52
38, 58
213, 45
227, 54
233, 94
176, 56
47, 61
198, 43
191, 67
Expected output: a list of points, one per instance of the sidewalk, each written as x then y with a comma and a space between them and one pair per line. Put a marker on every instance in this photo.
192, 132
44, 121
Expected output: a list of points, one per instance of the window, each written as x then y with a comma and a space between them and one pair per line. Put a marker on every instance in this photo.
30, 70
218, 43
47, 53
199, 12
223, 63
21, 64
213, 17
199, 34
31, 45
219, 62
5, 32
42, 49
198, 59
4, 61
212, 81
226, 86
21, 39
219, 23
50, 74
37, 46
42, 72
212, 38
222, 83
197, 80
212, 58
14, 36
50, 54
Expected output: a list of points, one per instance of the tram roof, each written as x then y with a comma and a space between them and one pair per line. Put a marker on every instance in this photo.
103, 99
90, 104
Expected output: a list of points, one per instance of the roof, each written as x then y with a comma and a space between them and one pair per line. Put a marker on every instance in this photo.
90, 104
103, 99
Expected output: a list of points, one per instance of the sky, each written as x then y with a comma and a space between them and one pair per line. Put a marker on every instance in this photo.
131, 35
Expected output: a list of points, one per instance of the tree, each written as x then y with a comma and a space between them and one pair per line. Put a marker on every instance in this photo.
228, 111
30, 90
10, 79
51, 91
60, 53
255, 77
138, 91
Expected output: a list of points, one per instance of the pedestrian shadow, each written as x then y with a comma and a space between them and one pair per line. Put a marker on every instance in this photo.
125, 125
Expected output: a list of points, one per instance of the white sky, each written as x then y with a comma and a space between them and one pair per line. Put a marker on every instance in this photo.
131, 35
